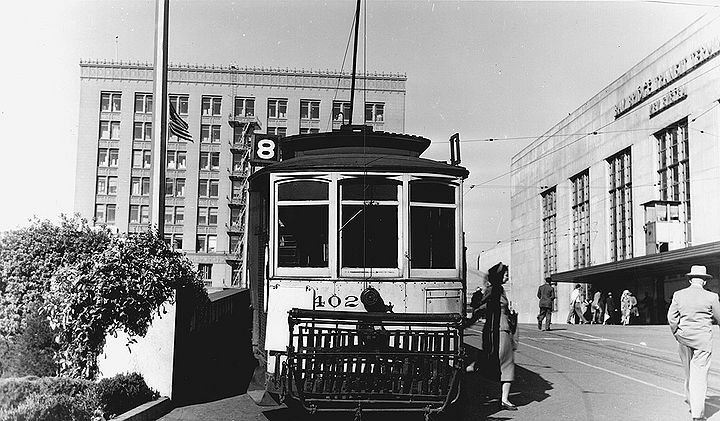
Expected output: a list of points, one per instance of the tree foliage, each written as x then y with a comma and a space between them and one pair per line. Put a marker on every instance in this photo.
120, 288
31, 256
83, 283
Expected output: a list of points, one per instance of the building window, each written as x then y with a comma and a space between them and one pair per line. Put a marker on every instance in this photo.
235, 244
620, 195
207, 216
236, 273
108, 157
309, 110
143, 103
142, 131
139, 214
180, 102
211, 105
244, 107
208, 188
277, 108
279, 131
140, 186
581, 219
105, 214
175, 187
205, 270
174, 240
109, 130
142, 158
176, 160
106, 185
210, 133
674, 166
237, 190
210, 161
374, 112
236, 217
549, 222
307, 130
110, 101
341, 111
174, 215
206, 243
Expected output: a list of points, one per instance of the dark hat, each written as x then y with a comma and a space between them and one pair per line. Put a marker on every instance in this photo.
548, 279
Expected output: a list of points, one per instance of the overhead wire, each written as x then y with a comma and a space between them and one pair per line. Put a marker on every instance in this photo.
586, 134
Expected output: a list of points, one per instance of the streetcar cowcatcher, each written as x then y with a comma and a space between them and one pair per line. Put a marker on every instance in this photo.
354, 361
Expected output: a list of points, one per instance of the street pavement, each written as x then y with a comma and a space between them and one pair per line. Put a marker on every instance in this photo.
576, 372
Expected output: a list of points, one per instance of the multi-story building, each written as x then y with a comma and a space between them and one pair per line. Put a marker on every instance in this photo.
623, 193
205, 178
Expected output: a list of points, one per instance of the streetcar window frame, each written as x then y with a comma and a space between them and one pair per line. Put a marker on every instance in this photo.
442, 202
382, 202
289, 202
334, 203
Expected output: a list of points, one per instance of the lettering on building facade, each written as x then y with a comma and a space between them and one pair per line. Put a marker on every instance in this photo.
653, 85
668, 100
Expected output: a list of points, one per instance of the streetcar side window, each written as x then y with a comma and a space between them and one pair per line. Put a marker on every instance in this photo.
369, 223
302, 224
432, 225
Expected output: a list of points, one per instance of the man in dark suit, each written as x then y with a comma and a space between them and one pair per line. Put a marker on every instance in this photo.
546, 294
690, 317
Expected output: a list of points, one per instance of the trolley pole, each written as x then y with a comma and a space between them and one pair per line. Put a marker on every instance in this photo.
352, 83
160, 112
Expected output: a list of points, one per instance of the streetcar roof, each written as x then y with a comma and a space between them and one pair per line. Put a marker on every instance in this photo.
359, 148
364, 162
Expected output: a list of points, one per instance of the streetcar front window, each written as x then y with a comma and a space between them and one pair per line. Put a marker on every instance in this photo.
302, 224
369, 223
432, 225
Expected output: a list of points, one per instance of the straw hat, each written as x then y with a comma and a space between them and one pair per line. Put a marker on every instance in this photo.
697, 271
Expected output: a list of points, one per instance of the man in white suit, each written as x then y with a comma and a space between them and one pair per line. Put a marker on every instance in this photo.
690, 317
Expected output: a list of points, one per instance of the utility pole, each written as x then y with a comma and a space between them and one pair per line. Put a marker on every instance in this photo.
160, 112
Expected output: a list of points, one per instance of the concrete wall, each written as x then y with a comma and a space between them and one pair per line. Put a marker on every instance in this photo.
571, 147
152, 356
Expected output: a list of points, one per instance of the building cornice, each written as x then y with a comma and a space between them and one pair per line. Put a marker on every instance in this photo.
234, 75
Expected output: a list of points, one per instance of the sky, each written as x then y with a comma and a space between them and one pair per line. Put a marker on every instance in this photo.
482, 69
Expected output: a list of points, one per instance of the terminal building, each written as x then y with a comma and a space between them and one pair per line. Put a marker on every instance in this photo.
624, 192
206, 179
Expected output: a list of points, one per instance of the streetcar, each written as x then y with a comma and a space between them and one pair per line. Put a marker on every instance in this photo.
356, 262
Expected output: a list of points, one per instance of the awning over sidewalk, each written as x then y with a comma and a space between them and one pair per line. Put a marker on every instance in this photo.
660, 264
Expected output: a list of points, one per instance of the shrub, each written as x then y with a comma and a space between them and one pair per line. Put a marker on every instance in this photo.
42, 407
14, 391
123, 392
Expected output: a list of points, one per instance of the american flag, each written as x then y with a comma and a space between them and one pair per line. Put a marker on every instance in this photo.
178, 126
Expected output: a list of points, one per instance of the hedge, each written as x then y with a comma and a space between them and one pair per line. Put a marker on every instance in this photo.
62, 398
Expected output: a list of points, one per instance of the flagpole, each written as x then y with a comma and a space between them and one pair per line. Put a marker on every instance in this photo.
160, 112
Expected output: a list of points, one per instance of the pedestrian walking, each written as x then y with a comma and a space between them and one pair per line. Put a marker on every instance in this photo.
499, 333
546, 294
628, 306
576, 306
595, 308
610, 309
690, 316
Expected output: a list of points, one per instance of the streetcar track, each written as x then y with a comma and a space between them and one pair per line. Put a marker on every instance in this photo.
647, 359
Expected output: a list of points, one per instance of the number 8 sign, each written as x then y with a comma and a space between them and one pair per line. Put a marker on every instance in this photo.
266, 149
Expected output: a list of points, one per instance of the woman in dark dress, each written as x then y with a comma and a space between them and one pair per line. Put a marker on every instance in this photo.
498, 333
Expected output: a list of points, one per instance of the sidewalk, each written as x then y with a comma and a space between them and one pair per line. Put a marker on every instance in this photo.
235, 408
